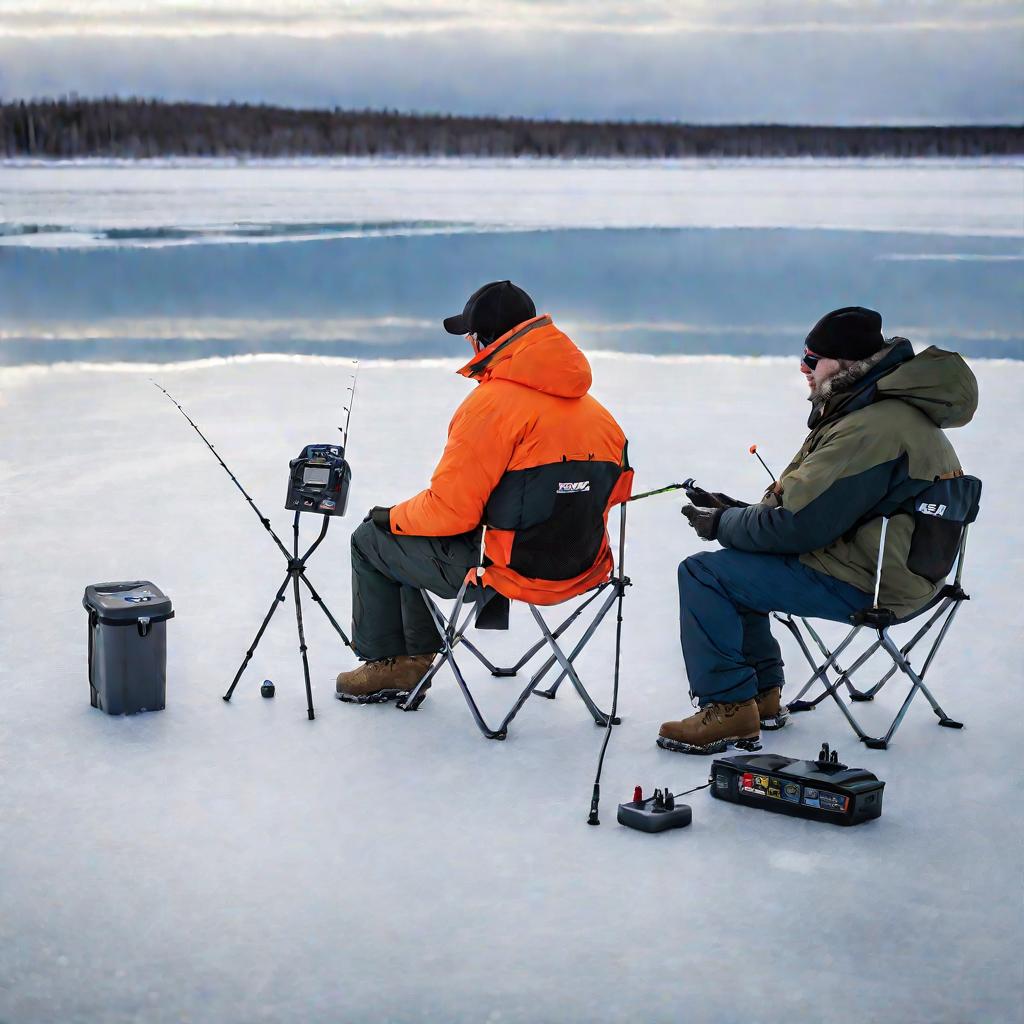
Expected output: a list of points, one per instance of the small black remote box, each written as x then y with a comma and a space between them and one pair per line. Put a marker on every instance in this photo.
657, 813
318, 480
822, 790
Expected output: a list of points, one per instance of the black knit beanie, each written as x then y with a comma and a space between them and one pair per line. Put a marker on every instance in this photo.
852, 332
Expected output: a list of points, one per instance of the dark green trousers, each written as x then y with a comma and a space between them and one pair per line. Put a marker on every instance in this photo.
389, 615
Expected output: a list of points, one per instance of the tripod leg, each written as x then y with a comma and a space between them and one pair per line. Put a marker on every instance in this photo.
302, 646
278, 598
323, 607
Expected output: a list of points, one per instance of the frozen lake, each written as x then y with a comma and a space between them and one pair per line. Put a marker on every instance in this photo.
167, 262
237, 863
227, 864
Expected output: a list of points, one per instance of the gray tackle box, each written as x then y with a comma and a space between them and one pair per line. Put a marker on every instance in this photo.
127, 646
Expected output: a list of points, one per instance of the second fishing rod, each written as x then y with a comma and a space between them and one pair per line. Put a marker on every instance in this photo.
319, 479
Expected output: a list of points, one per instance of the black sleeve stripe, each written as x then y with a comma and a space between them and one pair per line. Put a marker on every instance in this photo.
845, 503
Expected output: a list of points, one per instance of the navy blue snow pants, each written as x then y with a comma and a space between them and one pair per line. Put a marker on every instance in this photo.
724, 600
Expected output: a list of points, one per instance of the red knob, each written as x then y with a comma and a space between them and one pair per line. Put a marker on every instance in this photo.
638, 794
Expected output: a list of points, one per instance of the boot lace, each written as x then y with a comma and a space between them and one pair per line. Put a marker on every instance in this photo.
710, 714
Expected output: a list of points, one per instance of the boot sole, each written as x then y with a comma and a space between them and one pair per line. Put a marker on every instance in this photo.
776, 722
380, 697
717, 747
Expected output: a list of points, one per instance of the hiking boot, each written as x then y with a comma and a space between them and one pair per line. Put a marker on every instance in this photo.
772, 711
384, 679
714, 728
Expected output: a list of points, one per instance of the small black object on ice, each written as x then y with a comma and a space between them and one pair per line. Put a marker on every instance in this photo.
658, 813
267, 689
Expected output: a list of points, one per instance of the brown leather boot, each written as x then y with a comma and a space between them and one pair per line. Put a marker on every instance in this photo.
713, 729
772, 711
385, 679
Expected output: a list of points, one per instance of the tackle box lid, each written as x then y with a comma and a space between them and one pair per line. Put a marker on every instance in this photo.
127, 602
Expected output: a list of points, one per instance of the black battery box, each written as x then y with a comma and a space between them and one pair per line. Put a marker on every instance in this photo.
822, 790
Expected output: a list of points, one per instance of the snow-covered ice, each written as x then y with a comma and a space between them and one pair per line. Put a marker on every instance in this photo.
237, 863
99, 204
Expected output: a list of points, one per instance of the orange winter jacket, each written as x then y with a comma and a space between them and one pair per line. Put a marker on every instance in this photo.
535, 459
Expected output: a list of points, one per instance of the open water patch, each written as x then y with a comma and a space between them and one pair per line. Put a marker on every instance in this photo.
660, 291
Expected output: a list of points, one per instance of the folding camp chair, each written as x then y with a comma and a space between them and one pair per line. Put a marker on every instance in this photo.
943, 513
473, 596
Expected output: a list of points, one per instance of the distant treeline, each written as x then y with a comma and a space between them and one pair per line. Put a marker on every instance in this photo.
133, 128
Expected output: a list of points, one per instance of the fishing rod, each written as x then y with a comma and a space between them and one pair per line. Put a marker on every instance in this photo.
753, 451
621, 582
348, 408
660, 490
318, 482
234, 479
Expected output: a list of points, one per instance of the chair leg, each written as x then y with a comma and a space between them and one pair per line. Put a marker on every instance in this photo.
480, 656
591, 629
944, 719
599, 716
451, 636
832, 689
416, 696
897, 656
917, 681
447, 628
821, 671
492, 734
900, 664
821, 645
870, 693
501, 732
797, 704
531, 651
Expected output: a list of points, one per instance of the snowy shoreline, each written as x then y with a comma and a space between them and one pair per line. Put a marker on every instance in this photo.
30, 370
812, 162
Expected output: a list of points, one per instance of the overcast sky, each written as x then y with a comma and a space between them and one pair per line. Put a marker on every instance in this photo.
826, 61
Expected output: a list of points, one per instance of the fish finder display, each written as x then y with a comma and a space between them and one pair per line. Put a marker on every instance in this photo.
316, 475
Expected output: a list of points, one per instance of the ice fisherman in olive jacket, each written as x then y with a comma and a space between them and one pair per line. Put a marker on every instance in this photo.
810, 547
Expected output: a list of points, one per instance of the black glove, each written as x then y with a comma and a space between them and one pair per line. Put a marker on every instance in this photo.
703, 520
380, 517
728, 502
712, 499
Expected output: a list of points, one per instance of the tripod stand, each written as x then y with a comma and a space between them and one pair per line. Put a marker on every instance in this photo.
296, 573
296, 564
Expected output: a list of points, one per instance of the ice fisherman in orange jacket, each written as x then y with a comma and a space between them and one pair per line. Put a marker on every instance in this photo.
530, 455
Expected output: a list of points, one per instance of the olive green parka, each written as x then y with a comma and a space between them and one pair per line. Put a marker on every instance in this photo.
870, 449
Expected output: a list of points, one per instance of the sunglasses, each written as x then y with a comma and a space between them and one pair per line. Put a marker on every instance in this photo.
809, 359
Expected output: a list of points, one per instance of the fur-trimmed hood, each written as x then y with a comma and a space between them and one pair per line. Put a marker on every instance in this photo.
845, 380
936, 382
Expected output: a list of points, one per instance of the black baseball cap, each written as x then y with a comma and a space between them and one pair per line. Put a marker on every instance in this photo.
491, 311
852, 332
